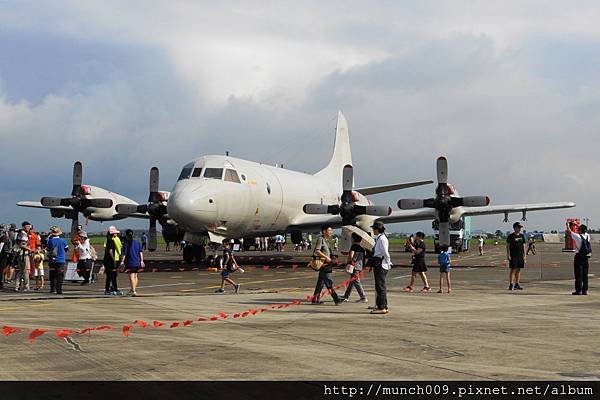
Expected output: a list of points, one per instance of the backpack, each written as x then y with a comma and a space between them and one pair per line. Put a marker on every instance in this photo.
586, 248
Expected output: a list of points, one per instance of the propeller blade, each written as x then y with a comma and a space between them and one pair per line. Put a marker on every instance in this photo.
378, 211
126, 208
475, 201
51, 201
410, 204
442, 170
444, 233
77, 178
348, 178
316, 209
100, 203
154, 182
152, 235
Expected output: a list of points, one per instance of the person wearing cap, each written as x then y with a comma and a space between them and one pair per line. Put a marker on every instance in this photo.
57, 249
381, 264
84, 255
581, 262
112, 257
515, 253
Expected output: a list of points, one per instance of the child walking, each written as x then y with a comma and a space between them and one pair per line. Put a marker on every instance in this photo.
445, 267
229, 266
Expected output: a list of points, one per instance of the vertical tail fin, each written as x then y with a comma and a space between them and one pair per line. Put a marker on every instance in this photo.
342, 154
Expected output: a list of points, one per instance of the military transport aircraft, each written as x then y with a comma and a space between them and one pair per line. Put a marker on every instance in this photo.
218, 197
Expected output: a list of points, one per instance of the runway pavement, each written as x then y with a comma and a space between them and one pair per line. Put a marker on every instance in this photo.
480, 331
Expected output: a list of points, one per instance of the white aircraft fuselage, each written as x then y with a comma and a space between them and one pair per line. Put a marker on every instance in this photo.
242, 198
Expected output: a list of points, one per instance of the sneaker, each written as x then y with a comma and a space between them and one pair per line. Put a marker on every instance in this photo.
408, 289
372, 308
518, 287
221, 290
511, 287
380, 311
237, 287
576, 293
363, 300
134, 294
118, 293
584, 293
344, 300
426, 289
106, 292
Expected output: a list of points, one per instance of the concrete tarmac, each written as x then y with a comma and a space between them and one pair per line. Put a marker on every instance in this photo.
479, 331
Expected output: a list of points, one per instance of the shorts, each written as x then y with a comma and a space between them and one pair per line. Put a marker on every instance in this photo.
445, 268
225, 273
517, 263
132, 270
419, 266
38, 272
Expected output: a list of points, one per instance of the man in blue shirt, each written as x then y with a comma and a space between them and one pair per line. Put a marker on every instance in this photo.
57, 249
132, 260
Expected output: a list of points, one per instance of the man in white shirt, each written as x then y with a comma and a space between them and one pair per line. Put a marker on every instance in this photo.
381, 265
581, 264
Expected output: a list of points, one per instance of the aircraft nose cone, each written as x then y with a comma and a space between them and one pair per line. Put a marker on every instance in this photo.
193, 211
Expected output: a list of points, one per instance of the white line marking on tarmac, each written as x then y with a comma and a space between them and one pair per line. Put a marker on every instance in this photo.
168, 284
401, 276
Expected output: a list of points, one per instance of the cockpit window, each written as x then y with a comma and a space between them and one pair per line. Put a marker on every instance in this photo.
197, 172
231, 176
213, 173
186, 172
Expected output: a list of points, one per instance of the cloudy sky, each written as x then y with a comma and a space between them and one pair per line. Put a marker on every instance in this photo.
509, 92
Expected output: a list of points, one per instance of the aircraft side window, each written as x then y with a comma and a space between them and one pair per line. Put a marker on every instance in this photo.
186, 172
197, 173
231, 176
213, 173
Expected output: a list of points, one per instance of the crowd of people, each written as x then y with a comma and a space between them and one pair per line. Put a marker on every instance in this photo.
24, 251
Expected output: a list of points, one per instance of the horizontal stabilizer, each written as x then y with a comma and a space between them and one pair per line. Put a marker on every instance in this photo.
390, 188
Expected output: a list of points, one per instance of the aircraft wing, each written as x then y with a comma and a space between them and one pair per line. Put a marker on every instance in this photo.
390, 188
134, 215
37, 204
488, 210
408, 216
